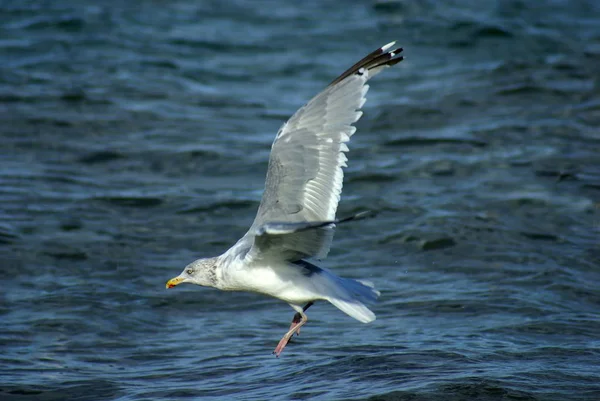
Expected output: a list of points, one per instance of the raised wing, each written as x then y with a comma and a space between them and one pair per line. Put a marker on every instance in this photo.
304, 177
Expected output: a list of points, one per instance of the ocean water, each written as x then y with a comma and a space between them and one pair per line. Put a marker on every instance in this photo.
134, 138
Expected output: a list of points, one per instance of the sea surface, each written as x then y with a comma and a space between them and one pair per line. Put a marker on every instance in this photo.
134, 138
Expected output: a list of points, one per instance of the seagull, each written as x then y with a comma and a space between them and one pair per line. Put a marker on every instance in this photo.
297, 213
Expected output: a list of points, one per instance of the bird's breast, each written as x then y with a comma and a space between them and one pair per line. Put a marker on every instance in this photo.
283, 280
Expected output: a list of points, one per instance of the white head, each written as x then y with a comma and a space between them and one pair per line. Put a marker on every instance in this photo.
199, 272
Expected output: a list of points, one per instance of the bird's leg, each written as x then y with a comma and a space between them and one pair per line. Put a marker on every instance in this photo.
290, 333
297, 317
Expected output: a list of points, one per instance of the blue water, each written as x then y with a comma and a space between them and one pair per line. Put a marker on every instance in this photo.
134, 138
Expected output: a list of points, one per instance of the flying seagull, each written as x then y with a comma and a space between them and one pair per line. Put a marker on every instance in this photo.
296, 215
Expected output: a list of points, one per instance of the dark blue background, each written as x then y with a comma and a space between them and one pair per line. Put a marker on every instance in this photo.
134, 138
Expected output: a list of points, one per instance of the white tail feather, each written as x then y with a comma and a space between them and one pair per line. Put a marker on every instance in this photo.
354, 309
351, 295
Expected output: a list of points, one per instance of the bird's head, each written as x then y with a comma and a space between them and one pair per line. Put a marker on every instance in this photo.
199, 272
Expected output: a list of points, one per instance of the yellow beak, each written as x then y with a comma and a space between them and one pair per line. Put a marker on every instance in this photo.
174, 281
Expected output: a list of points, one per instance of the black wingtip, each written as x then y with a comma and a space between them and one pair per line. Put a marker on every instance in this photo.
367, 214
384, 56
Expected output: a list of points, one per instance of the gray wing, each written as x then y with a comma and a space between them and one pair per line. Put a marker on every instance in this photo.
304, 177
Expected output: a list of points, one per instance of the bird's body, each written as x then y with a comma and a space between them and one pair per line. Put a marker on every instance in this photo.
296, 215
276, 278
279, 280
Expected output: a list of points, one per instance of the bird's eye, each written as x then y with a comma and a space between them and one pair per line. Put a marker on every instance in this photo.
189, 271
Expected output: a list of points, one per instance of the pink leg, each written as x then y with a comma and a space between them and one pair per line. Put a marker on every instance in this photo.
299, 319
289, 334
295, 322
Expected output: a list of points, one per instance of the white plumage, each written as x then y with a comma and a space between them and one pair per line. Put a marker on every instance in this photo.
296, 216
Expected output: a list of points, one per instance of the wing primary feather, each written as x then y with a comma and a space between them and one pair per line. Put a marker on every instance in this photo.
378, 58
385, 47
290, 228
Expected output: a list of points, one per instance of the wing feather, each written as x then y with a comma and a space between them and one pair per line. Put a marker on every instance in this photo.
305, 177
